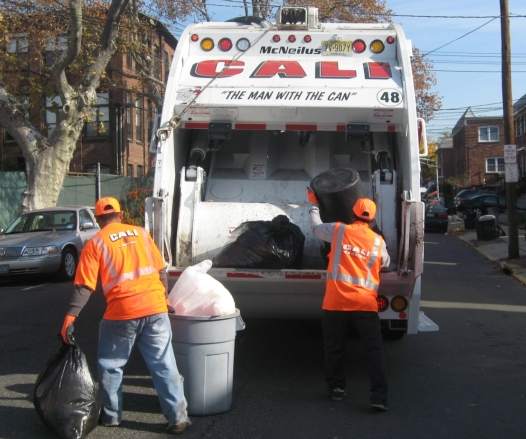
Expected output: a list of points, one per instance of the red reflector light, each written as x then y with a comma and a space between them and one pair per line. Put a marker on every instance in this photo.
276, 38
379, 70
307, 38
292, 38
383, 303
225, 44
194, 37
359, 46
390, 40
402, 315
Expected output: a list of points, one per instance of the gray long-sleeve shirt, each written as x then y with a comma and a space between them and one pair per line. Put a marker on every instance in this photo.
325, 232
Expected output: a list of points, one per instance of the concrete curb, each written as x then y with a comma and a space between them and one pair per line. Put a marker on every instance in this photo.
503, 265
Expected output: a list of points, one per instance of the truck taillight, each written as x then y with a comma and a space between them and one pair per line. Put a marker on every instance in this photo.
292, 38
377, 46
359, 46
194, 38
399, 304
307, 38
383, 303
225, 44
207, 44
242, 44
276, 38
390, 40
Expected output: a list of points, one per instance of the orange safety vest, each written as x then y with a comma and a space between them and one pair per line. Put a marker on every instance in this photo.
353, 274
128, 262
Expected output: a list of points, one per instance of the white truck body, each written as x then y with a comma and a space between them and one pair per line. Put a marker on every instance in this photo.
242, 133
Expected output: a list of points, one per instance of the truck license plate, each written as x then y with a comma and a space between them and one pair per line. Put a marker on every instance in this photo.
4, 269
337, 48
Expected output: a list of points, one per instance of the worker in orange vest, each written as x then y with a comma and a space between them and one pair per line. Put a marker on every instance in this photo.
134, 281
353, 276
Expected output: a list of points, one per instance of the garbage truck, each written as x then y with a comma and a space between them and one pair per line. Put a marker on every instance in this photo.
253, 111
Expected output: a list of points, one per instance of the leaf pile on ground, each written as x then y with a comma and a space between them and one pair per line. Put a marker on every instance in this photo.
458, 232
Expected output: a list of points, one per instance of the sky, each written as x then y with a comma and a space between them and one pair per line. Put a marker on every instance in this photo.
468, 67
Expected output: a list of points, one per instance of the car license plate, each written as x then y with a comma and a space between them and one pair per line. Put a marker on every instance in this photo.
430, 215
337, 48
4, 269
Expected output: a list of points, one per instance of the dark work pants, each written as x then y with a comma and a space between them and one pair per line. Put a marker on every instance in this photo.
367, 323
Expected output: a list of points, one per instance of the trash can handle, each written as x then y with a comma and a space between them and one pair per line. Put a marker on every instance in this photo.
240, 324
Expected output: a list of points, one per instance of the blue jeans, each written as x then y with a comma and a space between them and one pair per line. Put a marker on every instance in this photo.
153, 335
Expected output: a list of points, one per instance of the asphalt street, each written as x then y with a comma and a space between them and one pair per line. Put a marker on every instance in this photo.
467, 380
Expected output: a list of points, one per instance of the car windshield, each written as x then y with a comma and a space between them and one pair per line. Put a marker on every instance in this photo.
44, 221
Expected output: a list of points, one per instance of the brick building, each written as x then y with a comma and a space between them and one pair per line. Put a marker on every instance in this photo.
478, 150
445, 162
118, 138
519, 116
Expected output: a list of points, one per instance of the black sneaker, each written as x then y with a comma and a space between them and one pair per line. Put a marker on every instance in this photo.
380, 407
337, 394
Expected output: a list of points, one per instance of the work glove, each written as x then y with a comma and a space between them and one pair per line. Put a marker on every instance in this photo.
310, 195
68, 329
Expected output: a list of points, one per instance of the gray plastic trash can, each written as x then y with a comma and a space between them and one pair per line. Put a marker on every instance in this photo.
204, 351
486, 228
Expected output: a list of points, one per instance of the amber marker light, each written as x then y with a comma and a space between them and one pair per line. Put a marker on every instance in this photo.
377, 46
207, 44
399, 304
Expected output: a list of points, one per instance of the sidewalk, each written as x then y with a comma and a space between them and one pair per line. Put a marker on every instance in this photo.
497, 249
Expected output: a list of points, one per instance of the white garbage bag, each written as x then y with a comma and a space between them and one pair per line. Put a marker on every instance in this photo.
198, 294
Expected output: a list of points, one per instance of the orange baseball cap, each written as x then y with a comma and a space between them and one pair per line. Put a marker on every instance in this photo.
365, 209
107, 205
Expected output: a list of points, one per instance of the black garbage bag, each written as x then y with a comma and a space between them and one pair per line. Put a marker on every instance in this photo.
65, 396
263, 244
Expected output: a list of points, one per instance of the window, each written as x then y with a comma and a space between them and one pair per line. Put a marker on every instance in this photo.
129, 61
166, 65
18, 45
495, 164
85, 217
100, 117
130, 171
140, 172
488, 134
129, 106
150, 116
53, 112
157, 62
54, 48
138, 120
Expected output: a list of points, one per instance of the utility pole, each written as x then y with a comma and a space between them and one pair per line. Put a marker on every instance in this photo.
509, 135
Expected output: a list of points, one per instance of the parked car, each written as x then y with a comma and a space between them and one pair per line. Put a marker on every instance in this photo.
436, 217
47, 241
480, 204
466, 194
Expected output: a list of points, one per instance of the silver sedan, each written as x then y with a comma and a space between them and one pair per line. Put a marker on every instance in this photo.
47, 241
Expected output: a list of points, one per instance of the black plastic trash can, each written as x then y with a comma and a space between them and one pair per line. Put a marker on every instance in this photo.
487, 228
470, 219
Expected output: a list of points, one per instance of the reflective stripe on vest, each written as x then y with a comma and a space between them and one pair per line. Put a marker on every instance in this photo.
336, 275
128, 276
112, 271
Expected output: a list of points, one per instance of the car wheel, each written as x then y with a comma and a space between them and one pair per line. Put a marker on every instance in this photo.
477, 211
68, 267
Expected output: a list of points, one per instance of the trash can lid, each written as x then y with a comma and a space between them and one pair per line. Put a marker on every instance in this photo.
486, 218
226, 316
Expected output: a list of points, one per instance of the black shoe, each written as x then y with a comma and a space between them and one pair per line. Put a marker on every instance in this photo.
380, 407
107, 424
337, 394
